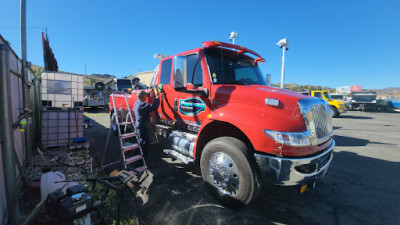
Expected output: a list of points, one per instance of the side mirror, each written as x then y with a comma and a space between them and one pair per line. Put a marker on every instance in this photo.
268, 79
180, 75
190, 88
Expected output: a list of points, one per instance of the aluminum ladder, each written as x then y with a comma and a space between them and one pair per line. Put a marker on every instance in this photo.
154, 78
125, 149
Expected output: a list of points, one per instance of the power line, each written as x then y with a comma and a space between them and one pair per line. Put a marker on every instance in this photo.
18, 27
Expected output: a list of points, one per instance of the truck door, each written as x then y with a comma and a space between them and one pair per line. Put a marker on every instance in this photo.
192, 108
166, 110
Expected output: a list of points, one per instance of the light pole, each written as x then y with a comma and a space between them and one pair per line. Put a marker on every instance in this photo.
232, 36
284, 44
160, 56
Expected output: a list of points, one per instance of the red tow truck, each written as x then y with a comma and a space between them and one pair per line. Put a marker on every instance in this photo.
217, 111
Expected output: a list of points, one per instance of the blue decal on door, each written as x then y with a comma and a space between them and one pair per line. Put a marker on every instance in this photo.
191, 106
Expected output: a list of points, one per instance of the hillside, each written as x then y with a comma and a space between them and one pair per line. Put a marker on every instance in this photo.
388, 92
103, 76
90, 80
296, 87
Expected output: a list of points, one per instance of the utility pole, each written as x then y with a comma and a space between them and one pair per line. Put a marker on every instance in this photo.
23, 33
25, 81
284, 44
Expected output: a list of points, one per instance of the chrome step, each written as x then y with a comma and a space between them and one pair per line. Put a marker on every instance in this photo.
176, 155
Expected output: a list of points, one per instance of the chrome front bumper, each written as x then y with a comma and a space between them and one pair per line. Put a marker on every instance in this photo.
294, 171
342, 110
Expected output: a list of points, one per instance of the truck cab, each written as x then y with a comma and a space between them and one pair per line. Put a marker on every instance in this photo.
337, 106
342, 97
217, 111
363, 100
119, 84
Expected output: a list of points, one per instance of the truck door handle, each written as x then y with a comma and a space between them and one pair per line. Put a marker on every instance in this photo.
176, 105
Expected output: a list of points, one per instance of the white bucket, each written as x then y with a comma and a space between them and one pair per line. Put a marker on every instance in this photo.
48, 185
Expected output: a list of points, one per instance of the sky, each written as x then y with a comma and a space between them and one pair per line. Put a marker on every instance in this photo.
331, 43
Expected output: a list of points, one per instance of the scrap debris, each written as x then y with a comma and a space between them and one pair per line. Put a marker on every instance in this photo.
76, 164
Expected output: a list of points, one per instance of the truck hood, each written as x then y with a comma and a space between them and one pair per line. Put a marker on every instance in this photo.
256, 95
248, 104
340, 102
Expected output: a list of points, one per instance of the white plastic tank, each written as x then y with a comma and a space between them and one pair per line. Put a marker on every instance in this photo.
48, 182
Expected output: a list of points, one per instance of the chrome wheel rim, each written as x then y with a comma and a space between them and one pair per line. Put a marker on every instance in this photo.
223, 172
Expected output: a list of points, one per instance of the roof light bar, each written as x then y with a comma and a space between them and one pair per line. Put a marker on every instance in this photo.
240, 48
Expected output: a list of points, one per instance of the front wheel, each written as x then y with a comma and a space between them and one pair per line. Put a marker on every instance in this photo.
335, 112
228, 169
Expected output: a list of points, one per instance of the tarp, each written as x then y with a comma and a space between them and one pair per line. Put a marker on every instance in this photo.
50, 62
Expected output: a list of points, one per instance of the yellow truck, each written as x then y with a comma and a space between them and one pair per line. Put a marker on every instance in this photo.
337, 106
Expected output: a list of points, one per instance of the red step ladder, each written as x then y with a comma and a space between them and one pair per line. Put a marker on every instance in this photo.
125, 146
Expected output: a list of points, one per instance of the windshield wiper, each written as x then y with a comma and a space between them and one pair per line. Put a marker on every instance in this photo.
234, 82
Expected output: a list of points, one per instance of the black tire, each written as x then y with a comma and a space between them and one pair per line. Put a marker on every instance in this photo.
241, 188
99, 86
335, 112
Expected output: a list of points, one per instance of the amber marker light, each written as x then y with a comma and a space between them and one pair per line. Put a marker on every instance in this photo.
303, 189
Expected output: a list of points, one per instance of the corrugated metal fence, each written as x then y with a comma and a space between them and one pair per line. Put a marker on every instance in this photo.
33, 102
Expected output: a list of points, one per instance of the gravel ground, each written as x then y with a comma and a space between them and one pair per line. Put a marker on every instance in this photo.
361, 187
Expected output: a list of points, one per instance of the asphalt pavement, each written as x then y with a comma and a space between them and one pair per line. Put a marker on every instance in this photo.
362, 185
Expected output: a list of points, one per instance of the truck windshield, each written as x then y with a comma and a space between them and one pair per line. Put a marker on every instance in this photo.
363, 96
227, 67
123, 84
327, 95
337, 97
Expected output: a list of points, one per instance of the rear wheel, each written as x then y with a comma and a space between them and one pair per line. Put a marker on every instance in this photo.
228, 169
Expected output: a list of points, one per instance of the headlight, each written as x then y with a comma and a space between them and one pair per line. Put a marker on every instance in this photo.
289, 138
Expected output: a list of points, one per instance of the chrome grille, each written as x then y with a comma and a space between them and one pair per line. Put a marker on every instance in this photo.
316, 115
321, 120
